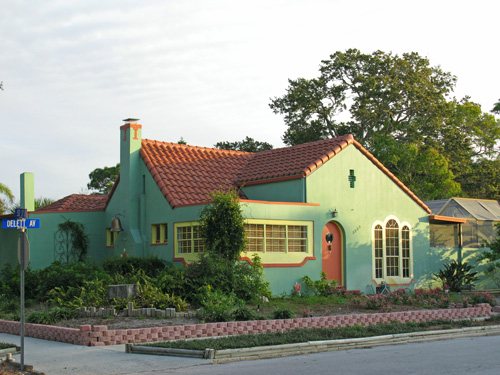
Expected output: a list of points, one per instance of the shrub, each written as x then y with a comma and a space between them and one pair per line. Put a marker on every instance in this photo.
65, 275
242, 313
482, 297
131, 265
238, 277
92, 293
217, 306
51, 316
282, 313
456, 276
322, 287
222, 224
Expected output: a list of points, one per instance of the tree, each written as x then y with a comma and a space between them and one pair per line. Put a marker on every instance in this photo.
8, 198
398, 108
496, 108
182, 141
102, 179
222, 225
383, 93
423, 169
39, 203
492, 258
247, 145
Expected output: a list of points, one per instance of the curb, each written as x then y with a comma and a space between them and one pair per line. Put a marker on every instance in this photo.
274, 351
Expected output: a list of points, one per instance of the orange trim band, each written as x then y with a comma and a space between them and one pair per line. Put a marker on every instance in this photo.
447, 218
183, 261
283, 203
282, 264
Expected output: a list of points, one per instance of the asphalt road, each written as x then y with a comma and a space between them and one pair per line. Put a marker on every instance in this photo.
478, 355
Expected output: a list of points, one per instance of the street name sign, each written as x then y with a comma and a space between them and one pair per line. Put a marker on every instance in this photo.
20, 223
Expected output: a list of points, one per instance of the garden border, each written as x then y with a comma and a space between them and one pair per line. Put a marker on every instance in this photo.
99, 335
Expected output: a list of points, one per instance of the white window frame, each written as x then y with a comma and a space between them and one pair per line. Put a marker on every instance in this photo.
400, 278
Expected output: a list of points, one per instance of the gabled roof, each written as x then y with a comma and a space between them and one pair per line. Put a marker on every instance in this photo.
76, 202
291, 162
467, 208
186, 175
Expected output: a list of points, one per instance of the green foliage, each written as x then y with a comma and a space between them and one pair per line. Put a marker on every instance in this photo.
247, 145
102, 179
492, 257
387, 94
423, 169
244, 313
482, 297
496, 108
39, 203
309, 334
91, 293
244, 280
6, 198
399, 108
322, 287
456, 276
282, 313
65, 275
51, 316
222, 225
130, 265
79, 240
216, 305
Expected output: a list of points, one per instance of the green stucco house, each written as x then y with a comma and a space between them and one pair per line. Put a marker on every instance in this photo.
322, 206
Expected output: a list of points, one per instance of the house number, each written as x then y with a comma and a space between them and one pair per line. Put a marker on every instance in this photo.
357, 228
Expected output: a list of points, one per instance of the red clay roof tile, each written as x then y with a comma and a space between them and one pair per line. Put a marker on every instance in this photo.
187, 175
77, 202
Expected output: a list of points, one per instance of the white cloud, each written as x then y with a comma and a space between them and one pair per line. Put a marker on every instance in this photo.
203, 70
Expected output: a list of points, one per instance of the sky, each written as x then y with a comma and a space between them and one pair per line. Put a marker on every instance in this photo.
201, 70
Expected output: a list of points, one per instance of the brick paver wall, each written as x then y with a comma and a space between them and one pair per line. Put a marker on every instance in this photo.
100, 335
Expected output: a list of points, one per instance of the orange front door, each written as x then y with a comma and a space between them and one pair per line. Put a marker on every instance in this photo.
332, 252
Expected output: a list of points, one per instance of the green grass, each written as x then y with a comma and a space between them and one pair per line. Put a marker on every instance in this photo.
6, 345
313, 334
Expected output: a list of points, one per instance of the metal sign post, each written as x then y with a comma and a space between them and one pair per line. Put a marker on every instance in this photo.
23, 246
23, 254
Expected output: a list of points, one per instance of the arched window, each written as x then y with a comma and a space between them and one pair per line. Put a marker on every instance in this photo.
392, 250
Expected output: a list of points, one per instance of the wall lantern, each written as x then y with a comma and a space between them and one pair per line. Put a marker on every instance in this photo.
334, 212
116, 225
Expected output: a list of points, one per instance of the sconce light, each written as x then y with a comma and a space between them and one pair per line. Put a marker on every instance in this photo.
116, 225
334, 212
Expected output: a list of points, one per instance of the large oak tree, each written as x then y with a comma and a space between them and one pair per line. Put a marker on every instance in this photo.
400, 108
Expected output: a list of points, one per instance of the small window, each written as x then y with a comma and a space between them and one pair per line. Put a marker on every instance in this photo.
110, 238
189, 239
159, 234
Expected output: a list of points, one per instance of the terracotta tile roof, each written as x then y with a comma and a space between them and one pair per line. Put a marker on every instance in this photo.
187, 175
76, 202
291, 162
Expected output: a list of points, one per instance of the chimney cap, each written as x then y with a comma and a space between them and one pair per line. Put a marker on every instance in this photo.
131, 120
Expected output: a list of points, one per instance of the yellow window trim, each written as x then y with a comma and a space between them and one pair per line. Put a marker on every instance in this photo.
188, 257
267, 258
163, 234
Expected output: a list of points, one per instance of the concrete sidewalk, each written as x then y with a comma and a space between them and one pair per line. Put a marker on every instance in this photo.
55, 358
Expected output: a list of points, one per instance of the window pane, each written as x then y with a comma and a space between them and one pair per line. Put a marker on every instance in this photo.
392, 248
297, 238
379, 251
255, 237
405, 250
